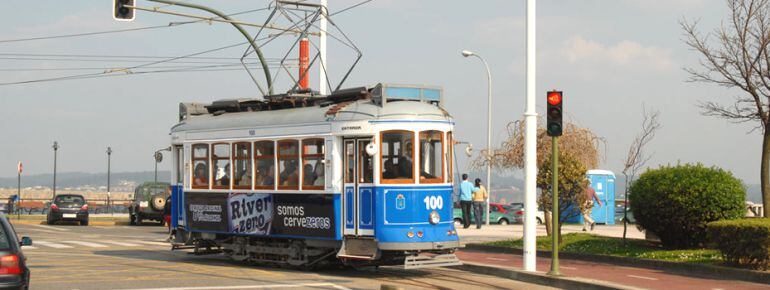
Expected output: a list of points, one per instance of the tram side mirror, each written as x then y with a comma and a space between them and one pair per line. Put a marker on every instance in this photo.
469, 150
371, 149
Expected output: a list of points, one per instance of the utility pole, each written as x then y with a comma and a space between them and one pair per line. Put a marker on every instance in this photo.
109, 155
55, 151
18, 193
530, 148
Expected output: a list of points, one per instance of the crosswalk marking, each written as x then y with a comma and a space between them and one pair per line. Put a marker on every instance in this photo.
87, 244
119, 243
53, 245
52, 228
153, 243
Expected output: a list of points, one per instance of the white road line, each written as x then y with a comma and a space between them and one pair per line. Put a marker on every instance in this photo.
87, 244
642, 277
52, 245
496, 259
37, 230
119, 243
52, 228
28, 247
302, 285
153, 243
568, 268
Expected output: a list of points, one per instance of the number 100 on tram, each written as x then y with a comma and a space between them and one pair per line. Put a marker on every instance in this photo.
362, 176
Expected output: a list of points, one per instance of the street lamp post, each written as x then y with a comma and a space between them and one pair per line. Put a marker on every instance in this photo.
109, 155
55, 150
467, 53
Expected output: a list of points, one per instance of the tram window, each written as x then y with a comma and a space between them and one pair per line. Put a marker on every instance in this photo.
288, 164
221, 160
431, 157
312, 164
242, 163
350, 159
200, 158
179, 166
397, 156
450, 156
365, 165
264, 159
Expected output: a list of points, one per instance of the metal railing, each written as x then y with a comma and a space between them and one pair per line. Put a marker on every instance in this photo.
30, 206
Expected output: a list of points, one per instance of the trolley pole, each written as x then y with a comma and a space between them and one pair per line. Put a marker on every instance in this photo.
555, 233
109, 155
55, 150
18, 195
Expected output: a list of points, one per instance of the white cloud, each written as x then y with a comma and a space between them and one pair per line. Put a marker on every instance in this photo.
627, 54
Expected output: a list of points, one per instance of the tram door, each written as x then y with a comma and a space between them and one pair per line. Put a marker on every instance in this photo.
358, 199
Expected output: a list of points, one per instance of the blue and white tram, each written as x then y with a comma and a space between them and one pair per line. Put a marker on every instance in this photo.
362, 176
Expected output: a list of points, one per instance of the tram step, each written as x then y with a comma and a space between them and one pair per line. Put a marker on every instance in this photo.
359, 249
417, 262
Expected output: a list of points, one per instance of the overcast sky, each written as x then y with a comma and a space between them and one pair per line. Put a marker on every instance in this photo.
609, 58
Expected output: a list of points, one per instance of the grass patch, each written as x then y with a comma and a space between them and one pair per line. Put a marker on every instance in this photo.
591, 244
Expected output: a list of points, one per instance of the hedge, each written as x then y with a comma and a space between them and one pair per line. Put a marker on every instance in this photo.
743, 242
676, 202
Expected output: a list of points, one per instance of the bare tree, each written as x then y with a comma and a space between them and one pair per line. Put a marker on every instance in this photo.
739, 57
637, 157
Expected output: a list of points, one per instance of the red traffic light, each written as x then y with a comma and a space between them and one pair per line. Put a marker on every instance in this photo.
554, 98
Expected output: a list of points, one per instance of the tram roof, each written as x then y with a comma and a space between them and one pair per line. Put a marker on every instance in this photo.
361, 110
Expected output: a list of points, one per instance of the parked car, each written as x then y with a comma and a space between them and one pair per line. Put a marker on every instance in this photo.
68, 207
149, 202
518, 210
619, 215
497, 215
14, 273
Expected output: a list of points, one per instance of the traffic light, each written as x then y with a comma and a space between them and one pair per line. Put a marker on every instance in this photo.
554, 113
121, 12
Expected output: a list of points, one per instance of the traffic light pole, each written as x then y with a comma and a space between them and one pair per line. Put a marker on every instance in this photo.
555, 233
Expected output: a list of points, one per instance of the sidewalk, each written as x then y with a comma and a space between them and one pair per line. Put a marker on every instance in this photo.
638, 277
629, 276
498, 232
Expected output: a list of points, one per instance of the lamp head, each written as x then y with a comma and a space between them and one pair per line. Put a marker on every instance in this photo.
467, 53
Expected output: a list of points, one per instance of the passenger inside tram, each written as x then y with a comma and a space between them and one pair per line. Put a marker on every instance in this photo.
391, 170
201, 176
290, 175
268, 179
319, 174
308, 175
406, 161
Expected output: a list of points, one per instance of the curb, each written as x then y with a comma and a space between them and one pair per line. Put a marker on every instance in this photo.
562, 282
90, 223
689, 269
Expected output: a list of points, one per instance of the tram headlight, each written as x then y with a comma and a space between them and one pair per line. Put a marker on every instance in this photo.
434, 218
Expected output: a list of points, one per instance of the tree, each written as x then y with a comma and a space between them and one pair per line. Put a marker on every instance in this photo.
572, 185
578, 150
739, 57
637, 158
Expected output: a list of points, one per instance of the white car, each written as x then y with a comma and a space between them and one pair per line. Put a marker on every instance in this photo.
518, 211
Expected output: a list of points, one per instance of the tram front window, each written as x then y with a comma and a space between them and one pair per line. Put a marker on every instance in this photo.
397, 156
200, 159
431, 160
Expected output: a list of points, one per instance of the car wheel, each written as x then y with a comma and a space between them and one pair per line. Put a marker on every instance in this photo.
458, 222
539, 221
84, 222
131, 219
50, 222
503, 222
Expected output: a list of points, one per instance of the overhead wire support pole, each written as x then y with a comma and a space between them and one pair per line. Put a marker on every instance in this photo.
530, 148
322, 82
246, 34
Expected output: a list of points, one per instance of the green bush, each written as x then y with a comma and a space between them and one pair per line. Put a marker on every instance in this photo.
676, 202
743, 242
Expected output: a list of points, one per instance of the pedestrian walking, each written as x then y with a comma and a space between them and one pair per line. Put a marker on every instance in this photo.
479, 201
466, 200
588, 207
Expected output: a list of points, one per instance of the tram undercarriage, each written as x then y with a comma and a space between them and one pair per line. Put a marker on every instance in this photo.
308, 253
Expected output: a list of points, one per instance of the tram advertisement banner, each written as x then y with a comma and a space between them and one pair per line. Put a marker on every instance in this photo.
206, 210
309, 215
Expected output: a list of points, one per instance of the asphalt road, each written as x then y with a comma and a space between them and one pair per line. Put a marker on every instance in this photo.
123, 257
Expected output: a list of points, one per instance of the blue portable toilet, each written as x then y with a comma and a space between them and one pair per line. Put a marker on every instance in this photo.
603, 182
